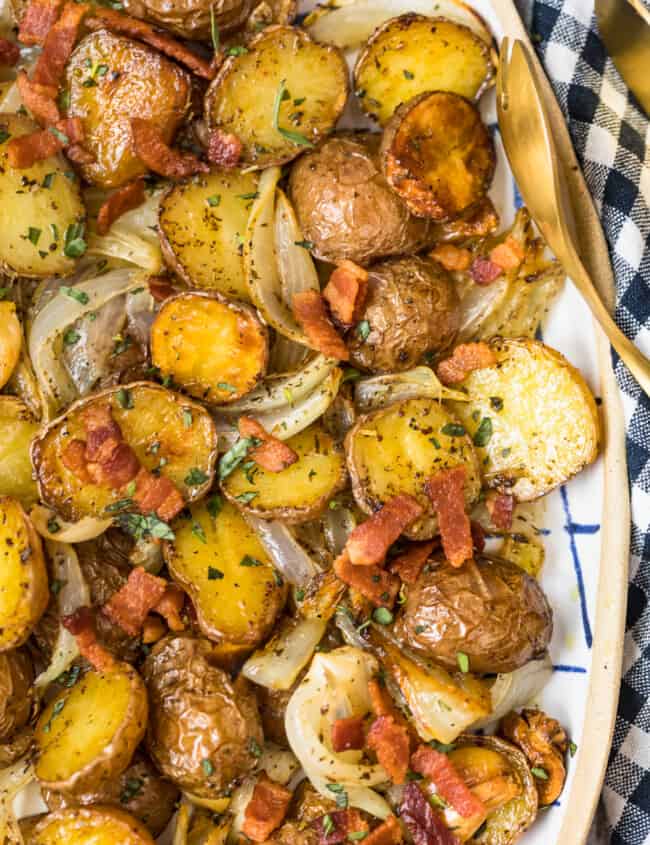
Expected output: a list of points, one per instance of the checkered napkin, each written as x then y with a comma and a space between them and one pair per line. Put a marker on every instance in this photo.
611, 136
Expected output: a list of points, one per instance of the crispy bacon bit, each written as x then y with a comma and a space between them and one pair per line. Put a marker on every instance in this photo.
266, 810
500, 506
9, 53
158, 494
424, 824
466, 358
153, 630
39, 99
388, 832
26, 150
348, 733
117, 470
440, 770
346, 292
484, 272
170, 606
408, 566
380, 701
134, 28
446, 490
130, 605
158, 156
37, 21
224, 148
509, 254
390, 742
81, 625
74, 459
310, 311
124, 199
452, 257
377, 585
272, 454
59, 44
336, 827
368, 543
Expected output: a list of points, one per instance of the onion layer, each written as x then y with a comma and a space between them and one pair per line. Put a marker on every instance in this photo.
379, 391
288, 556
67, 532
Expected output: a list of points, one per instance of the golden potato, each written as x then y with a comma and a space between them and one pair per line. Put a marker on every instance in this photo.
11, 338
397, 449
191, 18
221, 563
167, 431
89, 826
34, 222
282, 96
202, 224
88, 733
214, 349
17, 428
24, 591
111, 80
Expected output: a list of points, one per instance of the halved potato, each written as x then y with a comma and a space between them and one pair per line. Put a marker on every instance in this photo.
533, 418
437, 154
24, 592
111, 79
410, 54
295, 494
34, 220
232, 583
283, 74
17, 428
89, 826
397, 449
215, 349
202, 224
11, 338
168, 432
88, 733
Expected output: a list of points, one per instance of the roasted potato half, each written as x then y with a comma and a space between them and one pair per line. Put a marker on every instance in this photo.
191, 18
16, 677
24, 591
298, 493
89, 826
397, 449
11, 338
17, 428
87, 734
214, 349
345, 207
34, 222
284, 94
413, 53
437, 154
543, 425
110, 80
167, 431
221, 563
202, 224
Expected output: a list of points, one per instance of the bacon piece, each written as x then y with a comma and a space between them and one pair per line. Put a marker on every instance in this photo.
388, 832
310, 311
266, 810
117, 470
39, 99
446, 490
380, 701
134, 28
81, 625
390, 742
348, 733
339, 825
408, 566
130, 605
59, 44
452, 257
9, 53
440, 770
170, 606
157, 494
40, 16
368, 543
465, 358
151, 148
26, 150
74, 459
272, 454
127, 197
484, 272
346, 292
500, 506
103, 434
509, 254
424, 824
224, 148
377, 585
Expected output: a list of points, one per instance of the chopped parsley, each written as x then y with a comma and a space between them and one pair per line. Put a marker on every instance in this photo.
214, 505
53, 526
195, 477
483, 433
299, 595
132, 787
254, 747
214, 574
437, 801
207, 766
141, 526
33, 235
225, 385
71, 337
214, 200
124, 398
463, 661
74, 244
341, 794
47, 180
79, 296
294, 137
328, 824
121, 344
237, 50
231, 459
496, 402
363, 329
253, 195
4, 135
187, 418
60, 136
69, 679
305, 244
442, 747
247, 497
56, 585
539, 773
572, 748
356, 835
382, 615
197, 530
249, 560
408, 74
58, 707
453, 430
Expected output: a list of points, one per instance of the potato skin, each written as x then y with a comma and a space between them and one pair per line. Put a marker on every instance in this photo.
492, 611
345, 206
411, 308
16, 676
191, 18
80, 825
199, 715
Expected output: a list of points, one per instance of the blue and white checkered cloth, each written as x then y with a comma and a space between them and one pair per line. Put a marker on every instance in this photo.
611, 136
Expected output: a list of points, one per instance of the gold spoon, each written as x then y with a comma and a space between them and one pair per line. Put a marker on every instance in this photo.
528, 141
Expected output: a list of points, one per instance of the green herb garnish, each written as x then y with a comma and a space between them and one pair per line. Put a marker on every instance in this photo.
363, 329
453, 430
214, 574
70, 337
483, 433
124, 398
463, 661
382, 615
249, 560
294, 137
195, 477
